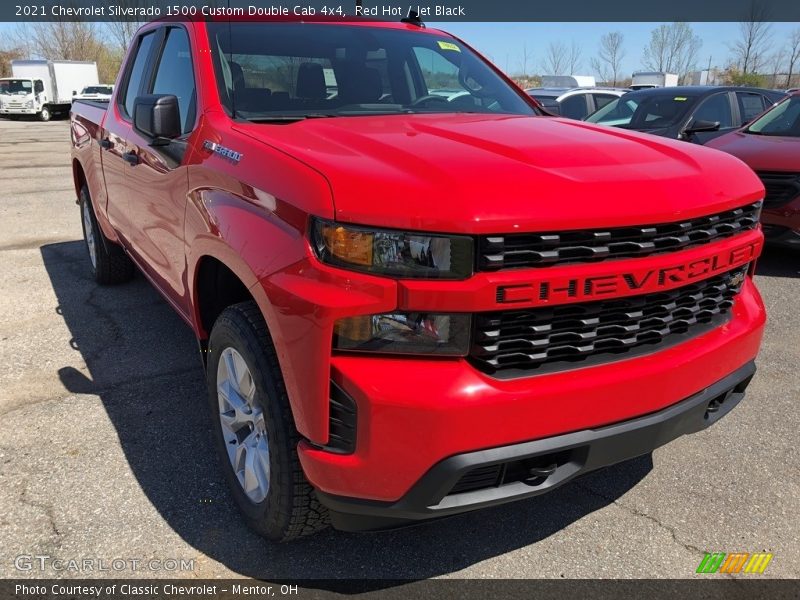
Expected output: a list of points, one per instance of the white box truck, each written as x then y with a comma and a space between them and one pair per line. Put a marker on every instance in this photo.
44, 87
568, 81
653, 79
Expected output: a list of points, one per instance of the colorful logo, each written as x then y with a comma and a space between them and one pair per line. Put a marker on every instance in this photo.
737, 562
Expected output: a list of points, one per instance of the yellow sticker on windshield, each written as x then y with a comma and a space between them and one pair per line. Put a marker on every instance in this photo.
449, 46
680, 98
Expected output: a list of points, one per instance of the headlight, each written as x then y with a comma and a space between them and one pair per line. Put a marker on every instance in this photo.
405, 333
29, 104
393, 253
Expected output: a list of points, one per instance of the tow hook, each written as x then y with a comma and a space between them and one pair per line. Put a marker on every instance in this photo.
542, 472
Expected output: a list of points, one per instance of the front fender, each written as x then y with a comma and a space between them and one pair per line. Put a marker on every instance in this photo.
256, 234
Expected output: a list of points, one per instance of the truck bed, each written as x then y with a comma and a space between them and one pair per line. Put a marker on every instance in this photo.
101, 104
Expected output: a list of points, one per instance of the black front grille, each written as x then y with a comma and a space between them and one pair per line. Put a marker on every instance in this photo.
781, 188
478, 479
497, 252
515, 343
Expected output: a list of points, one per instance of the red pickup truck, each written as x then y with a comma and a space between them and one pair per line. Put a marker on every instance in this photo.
415, 294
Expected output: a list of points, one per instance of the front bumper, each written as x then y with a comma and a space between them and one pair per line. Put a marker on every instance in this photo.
533, 468
412, 413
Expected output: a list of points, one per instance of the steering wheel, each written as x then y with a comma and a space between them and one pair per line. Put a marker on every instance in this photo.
463, 79
427, 98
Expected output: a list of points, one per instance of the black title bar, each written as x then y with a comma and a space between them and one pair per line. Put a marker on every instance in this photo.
435, 10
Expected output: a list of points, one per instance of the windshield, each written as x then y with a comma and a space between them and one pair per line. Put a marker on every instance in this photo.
16, 86
782, 120
651, 111
266, 71
97, 89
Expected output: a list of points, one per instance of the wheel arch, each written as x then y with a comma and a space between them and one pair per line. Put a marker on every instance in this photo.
78, 176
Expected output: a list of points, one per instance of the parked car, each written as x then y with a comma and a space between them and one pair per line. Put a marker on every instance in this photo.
99, 93
771, 146
413, 307
693, 113
574, 103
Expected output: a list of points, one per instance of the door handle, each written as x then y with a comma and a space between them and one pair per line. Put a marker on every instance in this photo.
106, 144
131, 158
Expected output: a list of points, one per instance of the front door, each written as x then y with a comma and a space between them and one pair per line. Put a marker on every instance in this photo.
158, 184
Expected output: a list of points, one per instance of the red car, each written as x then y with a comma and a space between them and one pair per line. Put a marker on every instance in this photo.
412, 304
770, 145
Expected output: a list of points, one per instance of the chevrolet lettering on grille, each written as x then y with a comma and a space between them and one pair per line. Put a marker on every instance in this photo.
636, 281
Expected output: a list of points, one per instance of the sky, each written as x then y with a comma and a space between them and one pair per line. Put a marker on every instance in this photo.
502, 42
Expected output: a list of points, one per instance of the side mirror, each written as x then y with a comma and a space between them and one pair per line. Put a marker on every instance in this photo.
157, 117
698, 126
74, 93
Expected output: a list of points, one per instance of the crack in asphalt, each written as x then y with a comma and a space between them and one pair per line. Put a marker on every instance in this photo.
638, 513
48, 511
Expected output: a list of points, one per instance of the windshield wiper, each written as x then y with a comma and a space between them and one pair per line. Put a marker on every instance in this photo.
285, 118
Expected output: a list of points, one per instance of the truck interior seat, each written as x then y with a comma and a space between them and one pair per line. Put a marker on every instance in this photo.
311, 82
358, 84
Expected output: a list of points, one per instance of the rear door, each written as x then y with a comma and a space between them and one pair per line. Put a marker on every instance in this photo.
157, 183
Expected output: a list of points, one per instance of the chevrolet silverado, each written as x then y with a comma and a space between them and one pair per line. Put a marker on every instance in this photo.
414, 292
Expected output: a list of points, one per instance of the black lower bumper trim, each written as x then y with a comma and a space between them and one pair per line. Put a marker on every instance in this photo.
538, 466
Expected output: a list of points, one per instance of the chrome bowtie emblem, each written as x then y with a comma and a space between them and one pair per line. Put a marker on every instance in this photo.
736, 280
223, 151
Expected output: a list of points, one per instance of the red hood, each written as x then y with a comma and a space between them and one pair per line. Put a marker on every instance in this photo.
761, 152
493, 173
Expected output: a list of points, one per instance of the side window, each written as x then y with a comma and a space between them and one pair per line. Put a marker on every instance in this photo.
750, 105
600, 100
137, 70
175, 75
715, 108
38, 86
574, 107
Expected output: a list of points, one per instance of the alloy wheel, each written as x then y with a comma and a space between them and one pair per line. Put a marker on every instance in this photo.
243, 427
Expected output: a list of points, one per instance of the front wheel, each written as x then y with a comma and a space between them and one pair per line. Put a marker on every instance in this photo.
254, 432
44, 115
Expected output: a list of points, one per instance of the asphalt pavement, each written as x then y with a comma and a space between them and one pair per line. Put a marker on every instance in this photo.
105, 450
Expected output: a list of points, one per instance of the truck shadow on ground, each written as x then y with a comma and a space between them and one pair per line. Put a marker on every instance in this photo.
778, 262
143, 365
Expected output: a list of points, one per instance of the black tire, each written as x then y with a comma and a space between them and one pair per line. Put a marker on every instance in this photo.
44, 114
290, 508
110, 264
